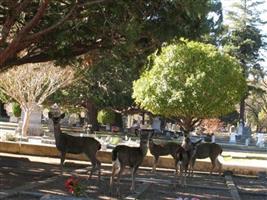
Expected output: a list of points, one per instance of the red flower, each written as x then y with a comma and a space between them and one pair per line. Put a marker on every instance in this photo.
74, 186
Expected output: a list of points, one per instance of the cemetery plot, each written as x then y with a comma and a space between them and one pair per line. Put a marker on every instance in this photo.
22, 179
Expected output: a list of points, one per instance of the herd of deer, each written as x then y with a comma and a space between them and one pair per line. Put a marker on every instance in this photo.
184, 154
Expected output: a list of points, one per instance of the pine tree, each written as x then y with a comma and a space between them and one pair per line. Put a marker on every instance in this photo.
245, 39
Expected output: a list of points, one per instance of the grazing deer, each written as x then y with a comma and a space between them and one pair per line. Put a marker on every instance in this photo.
123, 156
205, 150
158, 150
70, 144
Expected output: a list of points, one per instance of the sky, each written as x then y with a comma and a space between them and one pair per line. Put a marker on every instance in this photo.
227, 5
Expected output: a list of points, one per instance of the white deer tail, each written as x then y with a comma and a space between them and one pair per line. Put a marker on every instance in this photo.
117, 165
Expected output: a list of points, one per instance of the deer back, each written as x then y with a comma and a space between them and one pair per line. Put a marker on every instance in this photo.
205, 150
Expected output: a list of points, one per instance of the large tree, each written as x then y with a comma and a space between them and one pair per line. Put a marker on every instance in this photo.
107, 79
190, 81
31, 84
245, 39
43, 30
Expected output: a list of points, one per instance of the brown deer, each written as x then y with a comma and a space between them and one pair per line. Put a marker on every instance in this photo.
183, 156
158, 150
70, 144
123, 156
205, 150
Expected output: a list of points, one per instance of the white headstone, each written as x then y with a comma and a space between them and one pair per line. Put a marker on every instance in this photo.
35, 127
156, 124
232, 138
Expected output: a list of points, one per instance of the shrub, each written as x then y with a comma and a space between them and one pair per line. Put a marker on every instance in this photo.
16, 110
106, 116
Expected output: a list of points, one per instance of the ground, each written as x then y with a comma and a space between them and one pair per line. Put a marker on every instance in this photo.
23, 178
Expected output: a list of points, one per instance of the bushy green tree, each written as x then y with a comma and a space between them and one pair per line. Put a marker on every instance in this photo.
106, 116
190, 81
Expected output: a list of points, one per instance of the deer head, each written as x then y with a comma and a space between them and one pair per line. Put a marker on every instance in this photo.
56, 117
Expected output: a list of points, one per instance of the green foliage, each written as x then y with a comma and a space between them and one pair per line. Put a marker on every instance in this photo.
127, 32
244, 38
3, 97
106, 116
16, 110
190, 80
104, 25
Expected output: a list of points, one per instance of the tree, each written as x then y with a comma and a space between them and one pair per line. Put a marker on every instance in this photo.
107, 79
42, 30
106, 117
31, 84
256, 105
190, 81
244, 40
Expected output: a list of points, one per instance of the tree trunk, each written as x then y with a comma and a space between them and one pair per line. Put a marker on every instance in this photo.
242, 111
92, 114
143, 118
25, 124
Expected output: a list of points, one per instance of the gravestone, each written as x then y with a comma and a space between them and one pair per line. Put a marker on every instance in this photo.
8, 108
232, 138
156, 124
35, 126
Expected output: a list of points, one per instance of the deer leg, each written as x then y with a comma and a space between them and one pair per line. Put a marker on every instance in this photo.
118, 179
191, 166
181, 173
99, 169
219, 165
176, 165
156, 158
113, 173
62, 159
213, 165
93, 160
95, 164
134, 170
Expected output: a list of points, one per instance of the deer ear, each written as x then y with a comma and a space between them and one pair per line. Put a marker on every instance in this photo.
49, 115
62, 115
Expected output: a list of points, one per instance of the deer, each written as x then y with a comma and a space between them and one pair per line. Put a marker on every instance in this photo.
184, 156
207, 150
123, 156
76, 145
158, 150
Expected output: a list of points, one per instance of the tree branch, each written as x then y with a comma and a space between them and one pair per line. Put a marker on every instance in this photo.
38, 35
12, 47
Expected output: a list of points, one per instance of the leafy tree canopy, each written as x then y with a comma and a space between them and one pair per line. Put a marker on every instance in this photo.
190, 80
43, 30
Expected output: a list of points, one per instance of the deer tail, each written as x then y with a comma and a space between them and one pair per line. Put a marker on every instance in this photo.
99, 146
114, 154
